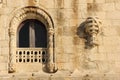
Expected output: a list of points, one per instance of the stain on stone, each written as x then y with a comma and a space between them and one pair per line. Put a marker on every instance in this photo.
92, 6
60, 17
31, 2
75, 8
86, 77
60, 4
118, 30
76, 40
75, 5
31, 78
59, 31
60, 12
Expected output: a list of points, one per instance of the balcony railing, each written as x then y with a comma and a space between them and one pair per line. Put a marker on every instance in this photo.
31, 55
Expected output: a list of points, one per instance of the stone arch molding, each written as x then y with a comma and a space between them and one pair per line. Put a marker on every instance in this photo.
31, 13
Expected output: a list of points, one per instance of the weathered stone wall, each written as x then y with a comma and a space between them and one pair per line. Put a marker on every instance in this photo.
72, 57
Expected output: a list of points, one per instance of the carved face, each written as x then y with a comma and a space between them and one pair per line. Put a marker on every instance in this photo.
92, 27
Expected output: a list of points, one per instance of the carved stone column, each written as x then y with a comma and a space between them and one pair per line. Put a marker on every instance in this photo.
11, 51
50, 52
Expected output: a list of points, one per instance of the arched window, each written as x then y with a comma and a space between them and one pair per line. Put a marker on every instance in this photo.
32, 42
32, 33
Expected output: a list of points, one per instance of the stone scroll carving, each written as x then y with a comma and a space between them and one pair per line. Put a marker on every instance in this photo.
91, 29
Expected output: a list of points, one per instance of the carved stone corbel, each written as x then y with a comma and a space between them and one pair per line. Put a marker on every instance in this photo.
92, 29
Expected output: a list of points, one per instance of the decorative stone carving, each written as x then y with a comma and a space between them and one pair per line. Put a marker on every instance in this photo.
36, 1
50, 64
11, 52
3, 3
92, 29
33, 2
31, 13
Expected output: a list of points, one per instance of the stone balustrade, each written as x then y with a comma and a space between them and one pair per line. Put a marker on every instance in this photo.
31, 55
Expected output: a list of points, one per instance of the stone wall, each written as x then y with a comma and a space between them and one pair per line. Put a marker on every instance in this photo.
72, 57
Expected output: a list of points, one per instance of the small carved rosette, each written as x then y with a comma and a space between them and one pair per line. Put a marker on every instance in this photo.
92, 29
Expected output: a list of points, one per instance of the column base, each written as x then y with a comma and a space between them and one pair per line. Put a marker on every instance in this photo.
51, 68
11, 70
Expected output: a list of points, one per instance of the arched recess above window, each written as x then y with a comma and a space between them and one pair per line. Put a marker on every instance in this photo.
32, 34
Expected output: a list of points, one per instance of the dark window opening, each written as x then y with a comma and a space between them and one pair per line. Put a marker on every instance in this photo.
33, 33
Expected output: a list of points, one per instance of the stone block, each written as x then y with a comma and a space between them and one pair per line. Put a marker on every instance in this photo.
82, 1
4, 43
15, 4
72, 13
60, 65
68, 4
95, 1
76, 41
117, 1
5, 11
3, 59
3, 32
89, 1
109, 15
74, 23
100, 1
116, 24
101, 14
67, 31
4, 51
50, 4
108, 7
4, 67
66, 58
69, 66
110, 1
57, 78
62, 17
59, 4
53, 13
117, 6
82, 12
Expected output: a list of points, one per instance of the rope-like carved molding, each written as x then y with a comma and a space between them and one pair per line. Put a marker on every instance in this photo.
32, 12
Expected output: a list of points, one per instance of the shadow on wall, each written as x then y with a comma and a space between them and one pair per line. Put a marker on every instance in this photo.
81, 31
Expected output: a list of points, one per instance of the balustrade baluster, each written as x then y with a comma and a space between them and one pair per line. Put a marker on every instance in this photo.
29, 55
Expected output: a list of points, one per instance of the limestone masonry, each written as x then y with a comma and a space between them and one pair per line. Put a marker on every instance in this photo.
59, 39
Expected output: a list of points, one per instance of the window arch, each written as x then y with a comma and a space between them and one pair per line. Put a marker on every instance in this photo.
32, 33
